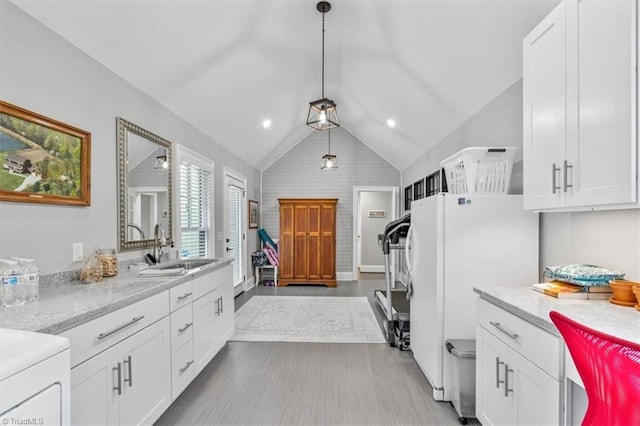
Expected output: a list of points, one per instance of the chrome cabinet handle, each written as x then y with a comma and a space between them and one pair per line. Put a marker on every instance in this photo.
184, 296
187, 365
185, 328
218, 306
127, 362
507, 370
566, 172
221, 305
115, 330
500, 327
498, 381
554, 187
119, 386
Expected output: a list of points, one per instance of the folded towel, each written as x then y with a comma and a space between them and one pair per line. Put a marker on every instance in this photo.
160, 272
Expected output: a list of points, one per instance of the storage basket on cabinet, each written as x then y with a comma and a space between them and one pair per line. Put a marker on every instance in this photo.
480, 170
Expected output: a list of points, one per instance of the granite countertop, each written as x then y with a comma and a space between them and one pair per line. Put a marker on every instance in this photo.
68, 304
532, 306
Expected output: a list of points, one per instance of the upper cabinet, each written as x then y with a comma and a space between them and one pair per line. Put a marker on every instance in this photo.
579, 77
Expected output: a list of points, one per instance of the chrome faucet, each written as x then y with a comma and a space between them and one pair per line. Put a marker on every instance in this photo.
136, 227
158, 240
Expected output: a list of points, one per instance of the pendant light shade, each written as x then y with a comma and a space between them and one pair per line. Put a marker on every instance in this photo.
329, 162
161, 162
322, 113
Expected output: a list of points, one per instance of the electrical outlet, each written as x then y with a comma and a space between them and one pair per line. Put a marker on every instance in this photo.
78, 252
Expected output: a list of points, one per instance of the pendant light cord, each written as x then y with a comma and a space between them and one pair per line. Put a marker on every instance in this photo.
323, 55
329, 130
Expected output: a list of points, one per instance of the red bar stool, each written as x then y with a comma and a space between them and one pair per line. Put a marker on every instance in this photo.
610, 370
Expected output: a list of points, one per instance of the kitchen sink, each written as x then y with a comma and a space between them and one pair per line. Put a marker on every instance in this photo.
185, 264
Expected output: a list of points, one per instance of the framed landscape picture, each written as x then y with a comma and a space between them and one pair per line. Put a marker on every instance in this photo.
253, 214
43, 160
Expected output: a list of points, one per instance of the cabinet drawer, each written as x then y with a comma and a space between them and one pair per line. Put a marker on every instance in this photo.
181, 295
181, 327
538, 346
182, 369
209, 282
101, 333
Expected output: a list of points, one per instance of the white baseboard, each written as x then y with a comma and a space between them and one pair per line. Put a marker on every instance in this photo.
371, 268
344, 276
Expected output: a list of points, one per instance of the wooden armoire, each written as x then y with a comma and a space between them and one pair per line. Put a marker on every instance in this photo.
307, 246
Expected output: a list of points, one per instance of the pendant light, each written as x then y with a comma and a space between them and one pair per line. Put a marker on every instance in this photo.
322, 113
329, 162
161, 163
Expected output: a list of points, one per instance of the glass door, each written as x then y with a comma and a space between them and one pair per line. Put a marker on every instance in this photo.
235, 240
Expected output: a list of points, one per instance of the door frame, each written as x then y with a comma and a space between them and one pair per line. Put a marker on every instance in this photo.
230, 175
357, 190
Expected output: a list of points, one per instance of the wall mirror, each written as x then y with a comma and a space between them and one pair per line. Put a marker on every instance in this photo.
144, 186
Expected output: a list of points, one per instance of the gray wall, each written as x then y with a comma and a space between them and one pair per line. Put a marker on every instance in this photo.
297, 174
371, 254
606, 238
42, 72
498, 124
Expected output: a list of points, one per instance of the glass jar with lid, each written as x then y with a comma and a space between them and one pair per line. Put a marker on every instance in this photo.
109, 260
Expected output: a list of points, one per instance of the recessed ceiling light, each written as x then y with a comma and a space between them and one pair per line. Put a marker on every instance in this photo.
391, 123
266, 124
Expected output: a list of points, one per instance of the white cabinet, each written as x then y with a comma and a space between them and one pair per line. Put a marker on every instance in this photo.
213, 315
579, 95
128, 383
517, 370
182, 370
34, 378
121, 365
511, 390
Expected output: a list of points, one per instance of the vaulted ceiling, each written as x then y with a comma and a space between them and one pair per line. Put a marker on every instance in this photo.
226, 66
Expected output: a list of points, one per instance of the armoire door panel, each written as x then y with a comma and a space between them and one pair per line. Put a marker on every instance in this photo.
309, 252
285, 245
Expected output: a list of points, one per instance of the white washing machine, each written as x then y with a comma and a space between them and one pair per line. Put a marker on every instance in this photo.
34, 378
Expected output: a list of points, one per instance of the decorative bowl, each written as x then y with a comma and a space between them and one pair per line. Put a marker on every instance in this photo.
636, 291
623, 290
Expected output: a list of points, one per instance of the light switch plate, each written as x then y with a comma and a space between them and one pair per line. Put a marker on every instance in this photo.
78, 252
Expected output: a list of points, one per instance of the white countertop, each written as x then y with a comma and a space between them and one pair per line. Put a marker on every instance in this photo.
68, 304
532, 306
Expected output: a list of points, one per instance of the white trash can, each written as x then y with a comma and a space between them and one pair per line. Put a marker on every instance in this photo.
463, 396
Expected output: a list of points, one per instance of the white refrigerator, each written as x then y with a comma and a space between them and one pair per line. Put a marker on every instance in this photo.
457, 242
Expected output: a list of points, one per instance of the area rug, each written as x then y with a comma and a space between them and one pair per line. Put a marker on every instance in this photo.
307, 319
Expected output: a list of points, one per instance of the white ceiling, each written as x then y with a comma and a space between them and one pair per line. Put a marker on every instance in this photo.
225, 66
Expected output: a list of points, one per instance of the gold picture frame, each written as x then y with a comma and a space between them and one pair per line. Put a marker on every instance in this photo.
43, 160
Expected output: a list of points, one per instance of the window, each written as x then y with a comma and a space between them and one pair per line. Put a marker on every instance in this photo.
196, 175
408, 197
418, 190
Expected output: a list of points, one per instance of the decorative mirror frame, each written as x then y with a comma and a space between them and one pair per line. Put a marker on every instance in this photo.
123, 126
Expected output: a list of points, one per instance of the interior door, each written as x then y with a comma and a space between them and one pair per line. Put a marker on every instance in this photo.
235, 229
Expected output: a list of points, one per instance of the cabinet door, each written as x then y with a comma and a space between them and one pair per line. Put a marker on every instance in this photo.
205, 312
328, 242
300, 253
313, 242
93, 397
146, 374
544, 112
226, 320
285, 245
601, 87
493, 407
536, 394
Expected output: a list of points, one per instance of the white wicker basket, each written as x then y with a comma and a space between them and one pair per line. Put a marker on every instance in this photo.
480, 170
